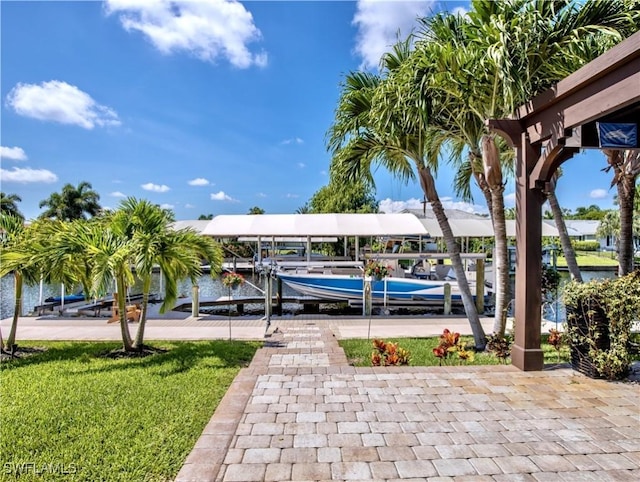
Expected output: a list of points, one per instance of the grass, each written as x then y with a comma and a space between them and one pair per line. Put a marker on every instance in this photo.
70, 409
591, 258
359, 351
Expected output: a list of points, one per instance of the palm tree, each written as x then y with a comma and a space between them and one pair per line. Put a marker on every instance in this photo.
178, 254
394, 135
8, 204
18, 256
72, 203
486, 64
565, 241
626, 169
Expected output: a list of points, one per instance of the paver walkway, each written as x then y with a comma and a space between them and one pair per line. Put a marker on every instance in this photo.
300, 412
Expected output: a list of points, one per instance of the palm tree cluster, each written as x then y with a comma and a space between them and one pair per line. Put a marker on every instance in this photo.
114, 248
437, 88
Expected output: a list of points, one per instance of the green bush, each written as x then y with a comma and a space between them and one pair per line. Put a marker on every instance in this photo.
586, 245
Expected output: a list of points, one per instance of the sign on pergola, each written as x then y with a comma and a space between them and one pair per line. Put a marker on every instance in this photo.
547, 131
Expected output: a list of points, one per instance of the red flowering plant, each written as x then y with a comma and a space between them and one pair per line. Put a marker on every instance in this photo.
449, 345
376, 269
232, 279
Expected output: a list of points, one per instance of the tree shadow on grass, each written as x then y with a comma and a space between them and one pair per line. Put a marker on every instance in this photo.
168, 358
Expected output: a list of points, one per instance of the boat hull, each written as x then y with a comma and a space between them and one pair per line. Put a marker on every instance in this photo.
347, 287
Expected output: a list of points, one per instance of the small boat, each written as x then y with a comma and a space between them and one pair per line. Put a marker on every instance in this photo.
72, 298
350, 287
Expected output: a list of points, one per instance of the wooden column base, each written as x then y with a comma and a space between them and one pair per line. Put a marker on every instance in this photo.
528, 360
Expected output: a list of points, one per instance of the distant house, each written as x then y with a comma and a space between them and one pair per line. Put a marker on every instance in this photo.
586, 231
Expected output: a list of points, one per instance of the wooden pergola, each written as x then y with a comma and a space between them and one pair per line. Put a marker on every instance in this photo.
546, 132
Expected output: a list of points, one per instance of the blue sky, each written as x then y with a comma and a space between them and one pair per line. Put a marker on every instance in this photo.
202, 107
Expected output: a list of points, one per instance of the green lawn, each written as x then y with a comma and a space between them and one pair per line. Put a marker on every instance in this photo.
72, 410
590, 258
359, 351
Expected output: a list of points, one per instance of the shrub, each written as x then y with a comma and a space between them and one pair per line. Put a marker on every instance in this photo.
500, 346
450, 345
586, 245
388, 354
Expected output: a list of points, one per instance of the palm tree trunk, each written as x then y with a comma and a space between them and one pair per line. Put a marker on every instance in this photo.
501, 263
429, 189
493, 177
122, 310
567, 247
17, 310
626, 193
139, 342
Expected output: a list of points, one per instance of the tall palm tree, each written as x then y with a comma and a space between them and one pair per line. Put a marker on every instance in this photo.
565, 241
72, 203
8, 204
394, 135
626, 169
19, 247
178, 254
496, 58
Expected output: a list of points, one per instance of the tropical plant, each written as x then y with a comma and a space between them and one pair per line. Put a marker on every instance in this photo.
8, 204
344, 197
600, 316
377, 122
500, 346
388, 354
19, 248
565, 240
178, 253
256, 210
487, 63
555, 339
626, 169
450, 345
72, 203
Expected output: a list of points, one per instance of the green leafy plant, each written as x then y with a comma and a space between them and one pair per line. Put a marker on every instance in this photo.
500, 346
388, 354
550, 280
232, 280
600, 315
376, 269
450, 345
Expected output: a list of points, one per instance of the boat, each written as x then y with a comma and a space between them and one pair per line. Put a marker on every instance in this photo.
351, 287
71, 298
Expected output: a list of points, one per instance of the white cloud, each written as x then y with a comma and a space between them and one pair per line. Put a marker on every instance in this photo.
510, 200
58, 101
199, 181
295, 140
261, 194
27, 175
117, 194
460, 11
221, 196
167, 206
378, 24
13, 153
390, 206
155, 187
206, 30
291, 196
323, 173
301, 165
189, 206
598, 194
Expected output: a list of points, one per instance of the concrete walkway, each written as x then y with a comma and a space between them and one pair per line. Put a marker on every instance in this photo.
300, 412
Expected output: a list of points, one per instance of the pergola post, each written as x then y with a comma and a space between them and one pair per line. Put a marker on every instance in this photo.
526, 353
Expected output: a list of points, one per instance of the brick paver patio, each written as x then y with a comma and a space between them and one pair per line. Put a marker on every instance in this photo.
300, 412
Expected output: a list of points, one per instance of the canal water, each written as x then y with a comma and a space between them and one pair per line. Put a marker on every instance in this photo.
213, 288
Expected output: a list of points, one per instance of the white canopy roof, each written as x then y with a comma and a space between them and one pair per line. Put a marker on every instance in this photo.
265, 225
479, 228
